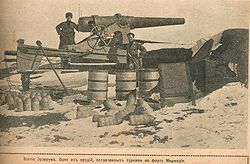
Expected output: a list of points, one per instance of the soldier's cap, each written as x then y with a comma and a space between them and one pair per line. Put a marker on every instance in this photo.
69, 14
130, 33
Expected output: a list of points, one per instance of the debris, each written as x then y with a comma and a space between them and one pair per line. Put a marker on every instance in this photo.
231, 104
193, 110
106, 120
70, 99
57, 138
157, 139
130, 108
84, 112
140, 135
179, 118
143, 119
114, 142
111, 105
96, 117
19, 137
104, 135
168, 121
144, 107
120, 116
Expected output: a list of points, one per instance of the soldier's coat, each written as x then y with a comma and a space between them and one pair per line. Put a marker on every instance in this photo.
67, 33
133, 49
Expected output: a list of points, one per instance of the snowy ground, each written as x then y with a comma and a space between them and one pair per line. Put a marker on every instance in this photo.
218, 121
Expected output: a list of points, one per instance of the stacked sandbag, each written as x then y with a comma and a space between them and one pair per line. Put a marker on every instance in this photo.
143, 114
106, 120
130, 108
110, 117
117, 117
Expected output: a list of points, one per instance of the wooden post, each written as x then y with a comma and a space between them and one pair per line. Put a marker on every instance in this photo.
190, 84
25, 78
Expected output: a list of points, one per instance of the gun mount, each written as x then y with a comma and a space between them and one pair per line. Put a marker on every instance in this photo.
101, 46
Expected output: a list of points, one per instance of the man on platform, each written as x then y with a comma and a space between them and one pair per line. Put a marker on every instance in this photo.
134, 58
66, 31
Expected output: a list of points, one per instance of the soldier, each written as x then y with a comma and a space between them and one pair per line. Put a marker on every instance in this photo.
66, 31
67, 35
134, 58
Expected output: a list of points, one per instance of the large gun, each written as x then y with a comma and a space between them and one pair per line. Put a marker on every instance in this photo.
103, 28
86, 23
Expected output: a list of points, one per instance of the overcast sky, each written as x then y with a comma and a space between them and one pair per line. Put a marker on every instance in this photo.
36, 19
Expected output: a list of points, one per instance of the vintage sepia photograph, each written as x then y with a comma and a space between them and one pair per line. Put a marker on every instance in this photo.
142, 74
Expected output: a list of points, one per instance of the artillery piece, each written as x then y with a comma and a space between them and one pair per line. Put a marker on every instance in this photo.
100, 47
106, 32
104, 29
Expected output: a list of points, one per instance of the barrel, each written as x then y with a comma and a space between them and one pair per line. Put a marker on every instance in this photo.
148, 79
97, 85
125, 83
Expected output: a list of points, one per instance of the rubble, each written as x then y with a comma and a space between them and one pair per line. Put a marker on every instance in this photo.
84, 112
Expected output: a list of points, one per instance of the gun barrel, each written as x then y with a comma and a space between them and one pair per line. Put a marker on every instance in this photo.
142, 22
84, 23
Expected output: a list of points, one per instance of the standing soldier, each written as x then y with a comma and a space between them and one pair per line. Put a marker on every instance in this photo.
67, 34
134, 58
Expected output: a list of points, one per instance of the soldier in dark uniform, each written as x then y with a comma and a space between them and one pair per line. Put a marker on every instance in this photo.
67, 34
66, 31
134, 59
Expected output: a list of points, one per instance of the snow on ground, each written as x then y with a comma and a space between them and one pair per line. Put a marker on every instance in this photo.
218, 121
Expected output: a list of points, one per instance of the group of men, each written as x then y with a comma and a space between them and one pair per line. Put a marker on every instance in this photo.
66, 31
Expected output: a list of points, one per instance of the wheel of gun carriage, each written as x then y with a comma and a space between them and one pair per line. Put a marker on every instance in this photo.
97, 85
125, 83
